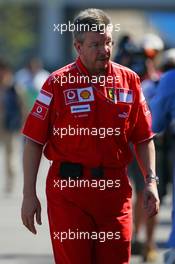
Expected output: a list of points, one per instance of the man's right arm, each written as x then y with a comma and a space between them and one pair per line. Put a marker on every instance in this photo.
31, 205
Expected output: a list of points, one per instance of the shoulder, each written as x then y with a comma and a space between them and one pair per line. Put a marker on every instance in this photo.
69, 68
56, 77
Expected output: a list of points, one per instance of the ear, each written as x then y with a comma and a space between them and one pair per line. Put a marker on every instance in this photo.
78, 46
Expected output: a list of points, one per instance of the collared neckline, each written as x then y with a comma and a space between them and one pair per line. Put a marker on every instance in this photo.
82, 69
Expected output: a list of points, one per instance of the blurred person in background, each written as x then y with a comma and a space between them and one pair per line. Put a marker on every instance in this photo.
140, 57
163, 111
167, 61
10, 119
30, 79
126, 51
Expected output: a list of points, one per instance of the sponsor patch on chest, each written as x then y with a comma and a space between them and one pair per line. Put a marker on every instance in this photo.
78, 95
125, 96
80, 108
120, 95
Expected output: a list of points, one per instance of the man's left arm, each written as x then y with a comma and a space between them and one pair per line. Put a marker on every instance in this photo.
142, 138
145, 154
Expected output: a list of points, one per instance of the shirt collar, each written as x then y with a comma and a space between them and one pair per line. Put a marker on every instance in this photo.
82, 69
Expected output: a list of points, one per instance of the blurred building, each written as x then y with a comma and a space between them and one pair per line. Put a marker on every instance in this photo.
134, 16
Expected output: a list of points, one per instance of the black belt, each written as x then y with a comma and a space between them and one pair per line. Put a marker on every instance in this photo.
75, 171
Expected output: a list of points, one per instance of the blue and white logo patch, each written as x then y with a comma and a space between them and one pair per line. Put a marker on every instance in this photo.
80, 108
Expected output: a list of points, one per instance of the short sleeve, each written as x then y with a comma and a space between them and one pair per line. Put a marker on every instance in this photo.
36, 126
142, 120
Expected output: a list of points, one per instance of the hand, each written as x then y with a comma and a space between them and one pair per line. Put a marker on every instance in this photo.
30, 207
151, 199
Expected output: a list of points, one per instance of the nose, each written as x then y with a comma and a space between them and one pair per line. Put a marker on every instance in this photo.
104, 49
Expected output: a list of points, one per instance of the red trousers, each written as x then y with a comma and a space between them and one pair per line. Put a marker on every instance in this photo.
89, 224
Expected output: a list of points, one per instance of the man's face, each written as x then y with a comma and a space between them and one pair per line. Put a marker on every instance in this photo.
95, 51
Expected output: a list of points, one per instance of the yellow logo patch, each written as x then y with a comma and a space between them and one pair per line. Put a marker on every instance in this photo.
85, 94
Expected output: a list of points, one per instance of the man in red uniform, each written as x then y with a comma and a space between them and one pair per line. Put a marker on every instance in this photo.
85, 117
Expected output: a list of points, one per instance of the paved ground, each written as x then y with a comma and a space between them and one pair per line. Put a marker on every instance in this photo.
18, 246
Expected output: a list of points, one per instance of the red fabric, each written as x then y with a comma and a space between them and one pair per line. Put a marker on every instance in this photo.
90, 210
116, 104
111, 151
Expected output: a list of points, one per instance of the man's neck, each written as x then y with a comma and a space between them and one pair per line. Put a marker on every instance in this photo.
94, 72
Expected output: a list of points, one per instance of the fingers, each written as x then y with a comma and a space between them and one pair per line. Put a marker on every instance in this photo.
30, 208
28, 221
152, 210
38, 216
31, 225
151, 201
151, 205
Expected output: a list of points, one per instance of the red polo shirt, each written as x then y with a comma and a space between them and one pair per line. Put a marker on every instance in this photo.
81, 119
